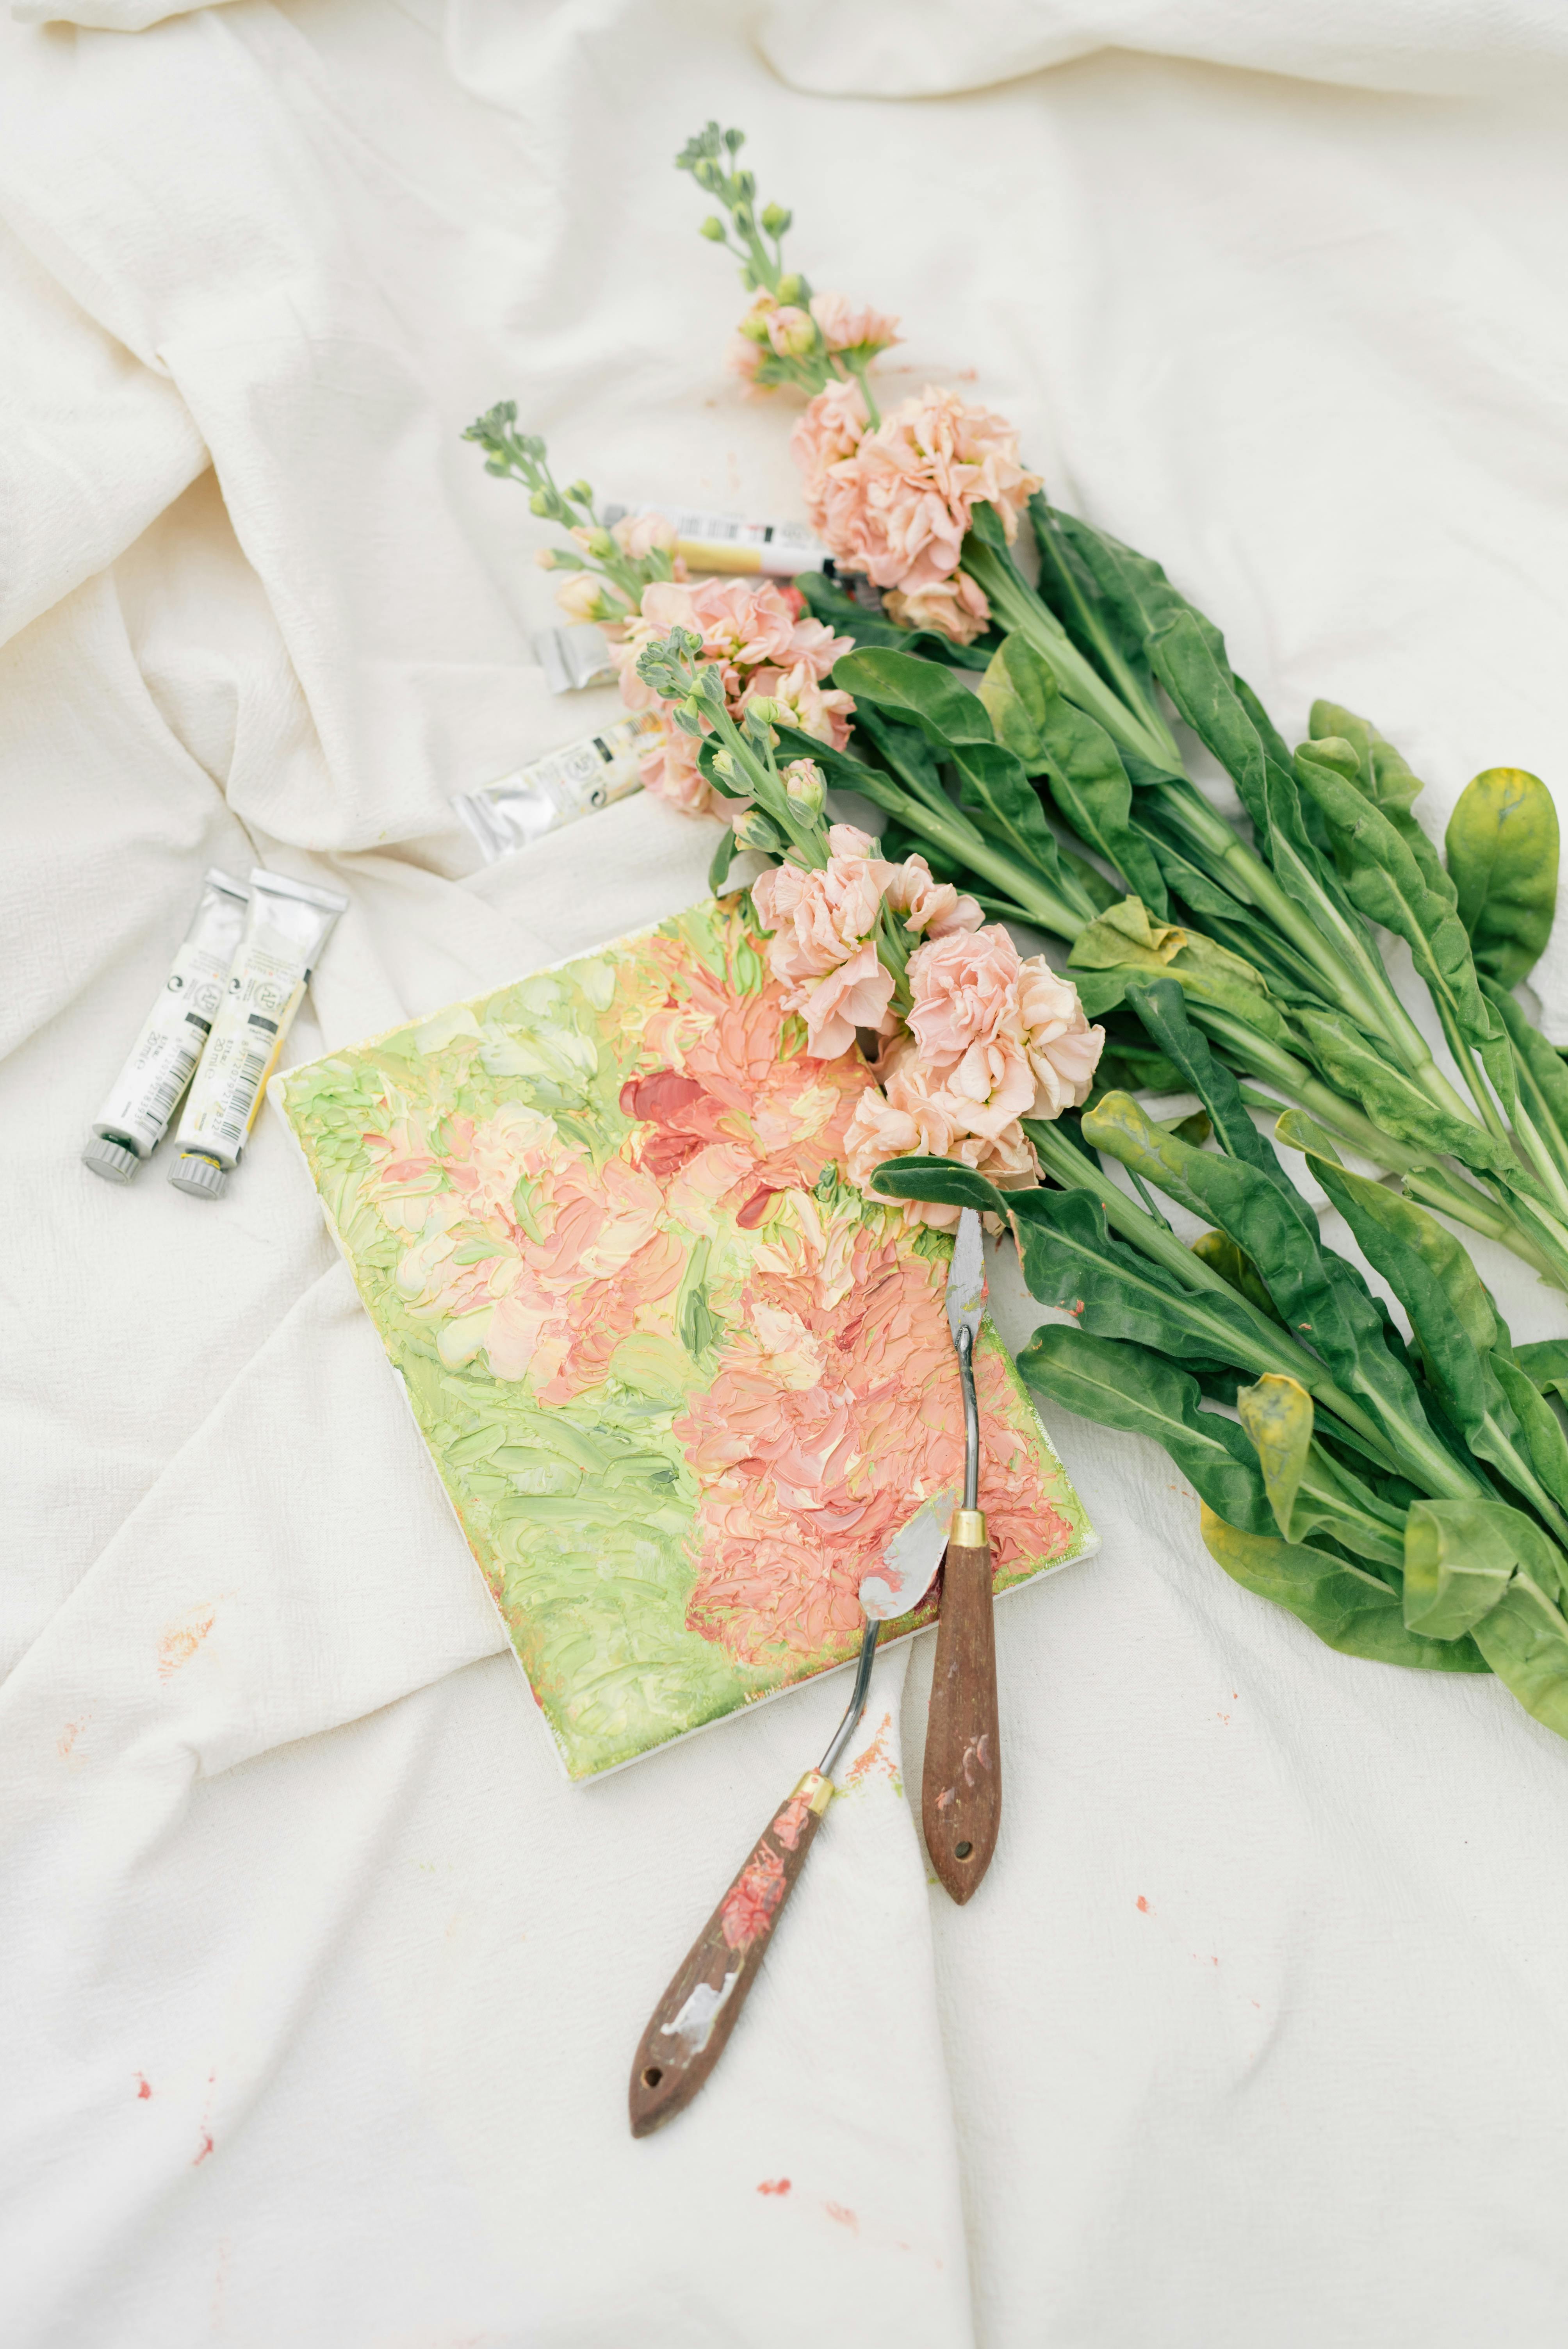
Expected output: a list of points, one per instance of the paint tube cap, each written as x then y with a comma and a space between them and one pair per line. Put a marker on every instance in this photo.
112, 1160
199, 1177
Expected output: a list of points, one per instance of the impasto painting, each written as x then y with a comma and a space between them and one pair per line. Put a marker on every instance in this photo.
681, 1380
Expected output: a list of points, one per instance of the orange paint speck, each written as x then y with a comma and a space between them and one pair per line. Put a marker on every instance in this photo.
874, 1757
206, 2149
774, 2186
144, 2086
181, 1639
69, 1736
843, 2217
1144, 1905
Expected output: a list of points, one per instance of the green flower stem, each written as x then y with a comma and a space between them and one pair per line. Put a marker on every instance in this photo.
1020, 610
1541, 1157
957, 837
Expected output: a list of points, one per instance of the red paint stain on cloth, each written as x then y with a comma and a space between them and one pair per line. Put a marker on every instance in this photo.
842, 2216
144, 2086
1144, 1905
181, 1641
874, 1757
205, 2148
774, 2186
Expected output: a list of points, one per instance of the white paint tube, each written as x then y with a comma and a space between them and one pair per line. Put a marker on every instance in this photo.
573, 657
726, 543
135, 1118
286, 929
557, 788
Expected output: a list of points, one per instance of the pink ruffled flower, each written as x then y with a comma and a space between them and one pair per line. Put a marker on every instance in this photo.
818, 919
965, 992
929, 907
828, 433
898, 508
954, 607
640, 535
824, 715
849, 326
909, 1120
792, 332
1064, 1050
666, 762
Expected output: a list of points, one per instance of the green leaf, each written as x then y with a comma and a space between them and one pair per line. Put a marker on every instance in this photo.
1383, 778
1227, 1259
1087, 780
1391, 1099
1277, 1414
1540, 1431
826, 600
1460, 1559
997, 794
1129, 1388
1502, 850
1525, 1642
1539, 1073
1320, 1298
1545, 1364
1349, 1610
918, 692
1388, 882
1161, 1006
1124, 939
724, 856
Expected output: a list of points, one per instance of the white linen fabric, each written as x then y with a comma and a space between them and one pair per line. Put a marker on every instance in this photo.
320, 1985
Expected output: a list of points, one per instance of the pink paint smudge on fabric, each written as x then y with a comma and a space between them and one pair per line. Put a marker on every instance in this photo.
183, 1640
774, 2186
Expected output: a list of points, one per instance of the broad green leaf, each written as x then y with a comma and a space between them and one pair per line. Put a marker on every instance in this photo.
1087, 780
996, 792
1227, 1259
1129, 1388
1460, 1559
1540, 1431
1545, 1364
1525, 1642
1124, 939
1319, 1297
1161, 1005
724, 856
906, 750
1391, 1099
1349, 1610
917, 692
1277, 1414
1539, 1072
1387, 881
1502, 850
1386, 780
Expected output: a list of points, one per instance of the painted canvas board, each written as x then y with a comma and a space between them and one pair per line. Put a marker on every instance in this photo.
680, 1380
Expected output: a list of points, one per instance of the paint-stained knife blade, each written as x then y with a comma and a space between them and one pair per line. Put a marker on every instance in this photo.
691, 2023
961, 1791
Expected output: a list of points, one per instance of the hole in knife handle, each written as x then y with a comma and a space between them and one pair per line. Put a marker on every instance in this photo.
963, 1851
651, 2076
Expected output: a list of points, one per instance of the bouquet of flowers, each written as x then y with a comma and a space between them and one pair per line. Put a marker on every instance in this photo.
1407, 1497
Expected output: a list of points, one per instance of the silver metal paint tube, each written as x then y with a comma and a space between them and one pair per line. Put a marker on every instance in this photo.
727, 542
573, 657
135, 1118
557, 788
285, 929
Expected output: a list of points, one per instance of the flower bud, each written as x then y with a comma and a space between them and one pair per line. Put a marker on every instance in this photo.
545, 557
752, 830
792, 287
541, 501
713, 229
806, 786
776, 219
581, 494
766, 711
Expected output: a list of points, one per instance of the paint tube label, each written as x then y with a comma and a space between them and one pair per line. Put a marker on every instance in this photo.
247, 1036
163, 1059
718, 541
560, 787
287, 926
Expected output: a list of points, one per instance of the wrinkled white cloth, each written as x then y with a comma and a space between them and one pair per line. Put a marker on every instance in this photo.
320, 1986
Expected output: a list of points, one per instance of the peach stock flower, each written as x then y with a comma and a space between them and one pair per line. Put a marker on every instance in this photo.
763, 641
829, 433
995, 1032
849, 326
954, 607
907, 1117
899, 507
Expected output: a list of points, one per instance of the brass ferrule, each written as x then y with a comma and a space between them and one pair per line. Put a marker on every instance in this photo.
967, 1530
818, 1790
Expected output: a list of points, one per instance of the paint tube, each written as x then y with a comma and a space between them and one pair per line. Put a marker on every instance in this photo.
135, 1118
726, 543
560, 787
572, 659
285, 929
